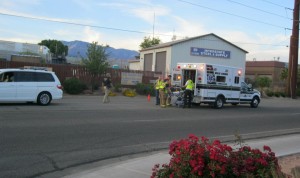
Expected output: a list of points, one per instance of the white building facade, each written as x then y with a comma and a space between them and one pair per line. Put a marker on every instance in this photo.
208, 48
9, 48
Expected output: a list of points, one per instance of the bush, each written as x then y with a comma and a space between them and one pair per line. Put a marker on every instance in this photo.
196, 158
277, 94
112, 94
117, 87
145, 89
282, 94
269, 93
95, 87
73, 86
298, 91
129, 92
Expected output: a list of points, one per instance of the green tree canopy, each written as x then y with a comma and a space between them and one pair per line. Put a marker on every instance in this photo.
56, 47
96, 61
148, 42
284, 74
263, 82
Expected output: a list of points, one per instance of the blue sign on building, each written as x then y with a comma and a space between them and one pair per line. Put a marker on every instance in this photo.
210, 52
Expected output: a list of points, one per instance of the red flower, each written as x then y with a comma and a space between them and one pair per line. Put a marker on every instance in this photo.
192, 157
267, 148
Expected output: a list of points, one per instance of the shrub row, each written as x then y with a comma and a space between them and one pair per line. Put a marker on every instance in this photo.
73, 86
196, 158
276, 94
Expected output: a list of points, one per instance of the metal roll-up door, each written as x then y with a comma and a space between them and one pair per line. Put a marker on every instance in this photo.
148, 58
161, 62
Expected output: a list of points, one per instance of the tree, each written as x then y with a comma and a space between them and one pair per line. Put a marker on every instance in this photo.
56, 47
263, 82
284, 74
148, 42
96, 61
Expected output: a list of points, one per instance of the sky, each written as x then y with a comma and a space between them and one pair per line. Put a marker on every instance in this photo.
261, 27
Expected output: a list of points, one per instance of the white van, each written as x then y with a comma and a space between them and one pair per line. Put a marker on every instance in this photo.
29, 85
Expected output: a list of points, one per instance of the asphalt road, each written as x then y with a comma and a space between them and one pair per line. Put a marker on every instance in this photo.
37, 141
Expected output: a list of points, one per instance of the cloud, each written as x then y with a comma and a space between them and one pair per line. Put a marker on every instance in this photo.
149, 14
8, 4
44, 18
260, 46
112, 5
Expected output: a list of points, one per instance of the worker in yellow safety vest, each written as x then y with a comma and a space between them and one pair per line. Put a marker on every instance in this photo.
157, 86
189, 87
162, 94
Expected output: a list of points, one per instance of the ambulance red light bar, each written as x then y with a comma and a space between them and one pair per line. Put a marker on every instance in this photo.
178, 67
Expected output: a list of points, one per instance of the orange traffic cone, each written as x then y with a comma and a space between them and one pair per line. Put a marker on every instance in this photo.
148, 98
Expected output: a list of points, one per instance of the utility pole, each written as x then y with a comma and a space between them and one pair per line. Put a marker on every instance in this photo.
153, 25
293, 58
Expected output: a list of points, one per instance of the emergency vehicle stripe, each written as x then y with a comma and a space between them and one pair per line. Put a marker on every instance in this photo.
227, 99
217, 87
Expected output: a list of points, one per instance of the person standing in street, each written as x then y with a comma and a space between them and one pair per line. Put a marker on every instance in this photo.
168, 90
107, 86
189, 86
157, 86
162, 94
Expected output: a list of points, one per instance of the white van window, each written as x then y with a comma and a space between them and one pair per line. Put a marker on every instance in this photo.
25, 76
7, 77
45, 77
2, 77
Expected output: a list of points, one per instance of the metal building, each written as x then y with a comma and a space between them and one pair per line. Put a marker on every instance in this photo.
208, 48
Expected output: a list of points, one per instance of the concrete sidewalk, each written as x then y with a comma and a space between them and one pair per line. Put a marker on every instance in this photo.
141, 167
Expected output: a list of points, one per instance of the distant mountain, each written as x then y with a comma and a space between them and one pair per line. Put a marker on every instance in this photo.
79, 48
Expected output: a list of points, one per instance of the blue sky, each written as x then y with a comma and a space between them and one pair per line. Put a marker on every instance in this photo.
261, 27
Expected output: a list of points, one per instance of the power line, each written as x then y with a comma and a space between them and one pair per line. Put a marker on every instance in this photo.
80, 24
119, 29
187, 2
277, 4
251, 7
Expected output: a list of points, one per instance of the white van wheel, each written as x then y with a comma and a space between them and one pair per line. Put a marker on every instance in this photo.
44, 98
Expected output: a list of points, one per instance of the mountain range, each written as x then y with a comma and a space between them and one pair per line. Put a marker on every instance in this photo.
79, 49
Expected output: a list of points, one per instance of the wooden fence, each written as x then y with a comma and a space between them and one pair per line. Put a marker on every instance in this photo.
65, 71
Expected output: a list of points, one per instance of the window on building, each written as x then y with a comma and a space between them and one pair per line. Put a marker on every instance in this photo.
221, 79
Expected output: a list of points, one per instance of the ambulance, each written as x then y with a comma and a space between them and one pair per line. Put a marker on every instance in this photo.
216, 85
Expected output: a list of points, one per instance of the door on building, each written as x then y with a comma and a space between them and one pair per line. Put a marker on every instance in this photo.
148, 58
160, 63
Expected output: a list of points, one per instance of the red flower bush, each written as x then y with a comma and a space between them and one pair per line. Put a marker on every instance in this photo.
195, 158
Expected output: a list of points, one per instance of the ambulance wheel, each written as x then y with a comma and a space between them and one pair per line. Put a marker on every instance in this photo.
254, 103
219, 102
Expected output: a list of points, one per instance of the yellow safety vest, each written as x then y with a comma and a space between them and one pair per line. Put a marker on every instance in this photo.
162, 85
190, 85
157, 84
